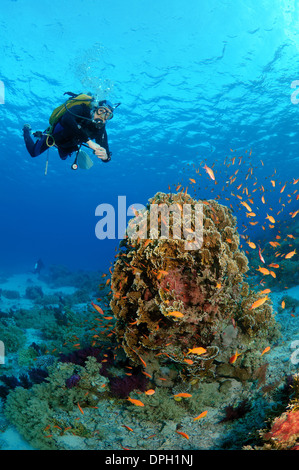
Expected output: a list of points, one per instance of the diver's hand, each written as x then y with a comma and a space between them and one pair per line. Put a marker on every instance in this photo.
99, 151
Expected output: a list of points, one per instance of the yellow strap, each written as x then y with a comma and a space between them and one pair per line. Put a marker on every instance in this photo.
47, 140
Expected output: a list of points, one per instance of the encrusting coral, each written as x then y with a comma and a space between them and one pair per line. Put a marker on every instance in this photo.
169, 299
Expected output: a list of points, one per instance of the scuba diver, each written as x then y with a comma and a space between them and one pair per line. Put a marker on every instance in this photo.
78, 121
39, 265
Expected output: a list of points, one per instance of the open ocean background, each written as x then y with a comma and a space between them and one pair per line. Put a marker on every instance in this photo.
195, 80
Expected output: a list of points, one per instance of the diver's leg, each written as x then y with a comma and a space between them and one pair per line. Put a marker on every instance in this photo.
34, 148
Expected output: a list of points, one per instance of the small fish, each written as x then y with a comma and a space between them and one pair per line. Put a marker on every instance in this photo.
192, 180
290, 255
188, 361
210, 172
183, 395
266, 350
146, 374
183, 434
81, 411
272, 220
234, 357
263, 270
246, 205
135, 402
175, 314
202, 415
260, 255
252, 245
97, 308
283, 188
197, 351
150, 392
161, 273
250, 214
266, 291
127, 427
258, 302
283, 304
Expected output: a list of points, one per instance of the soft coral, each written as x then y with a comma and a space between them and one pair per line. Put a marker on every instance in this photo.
285, 429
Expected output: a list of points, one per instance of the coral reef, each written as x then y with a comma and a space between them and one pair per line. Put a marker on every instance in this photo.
168, 299
42, 410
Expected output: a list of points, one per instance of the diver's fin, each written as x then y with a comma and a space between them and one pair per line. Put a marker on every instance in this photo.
84, 161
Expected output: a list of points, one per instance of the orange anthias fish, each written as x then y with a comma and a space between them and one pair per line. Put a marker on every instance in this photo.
210, 172
266, 350
246, 205
263, 270
290, 255
252, 245
174, 314
197, 351
202, 415
135, 402
234, 357
272, 220
183, 395
265, 291
183, 434
81, 411
258, 302
98, 309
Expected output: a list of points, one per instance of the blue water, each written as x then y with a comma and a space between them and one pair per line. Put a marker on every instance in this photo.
194, 80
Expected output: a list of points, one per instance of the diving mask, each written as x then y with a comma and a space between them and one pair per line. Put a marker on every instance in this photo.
104, 112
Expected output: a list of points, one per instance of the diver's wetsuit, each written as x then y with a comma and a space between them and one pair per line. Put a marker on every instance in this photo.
69, 133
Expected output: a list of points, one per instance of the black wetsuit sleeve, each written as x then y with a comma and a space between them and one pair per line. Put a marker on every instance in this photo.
102, 139
69, 122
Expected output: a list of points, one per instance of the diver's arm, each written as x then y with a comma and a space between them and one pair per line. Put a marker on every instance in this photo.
100, 147
99, 151
102, 139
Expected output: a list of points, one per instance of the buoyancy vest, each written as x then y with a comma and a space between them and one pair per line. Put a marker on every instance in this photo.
64, 107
